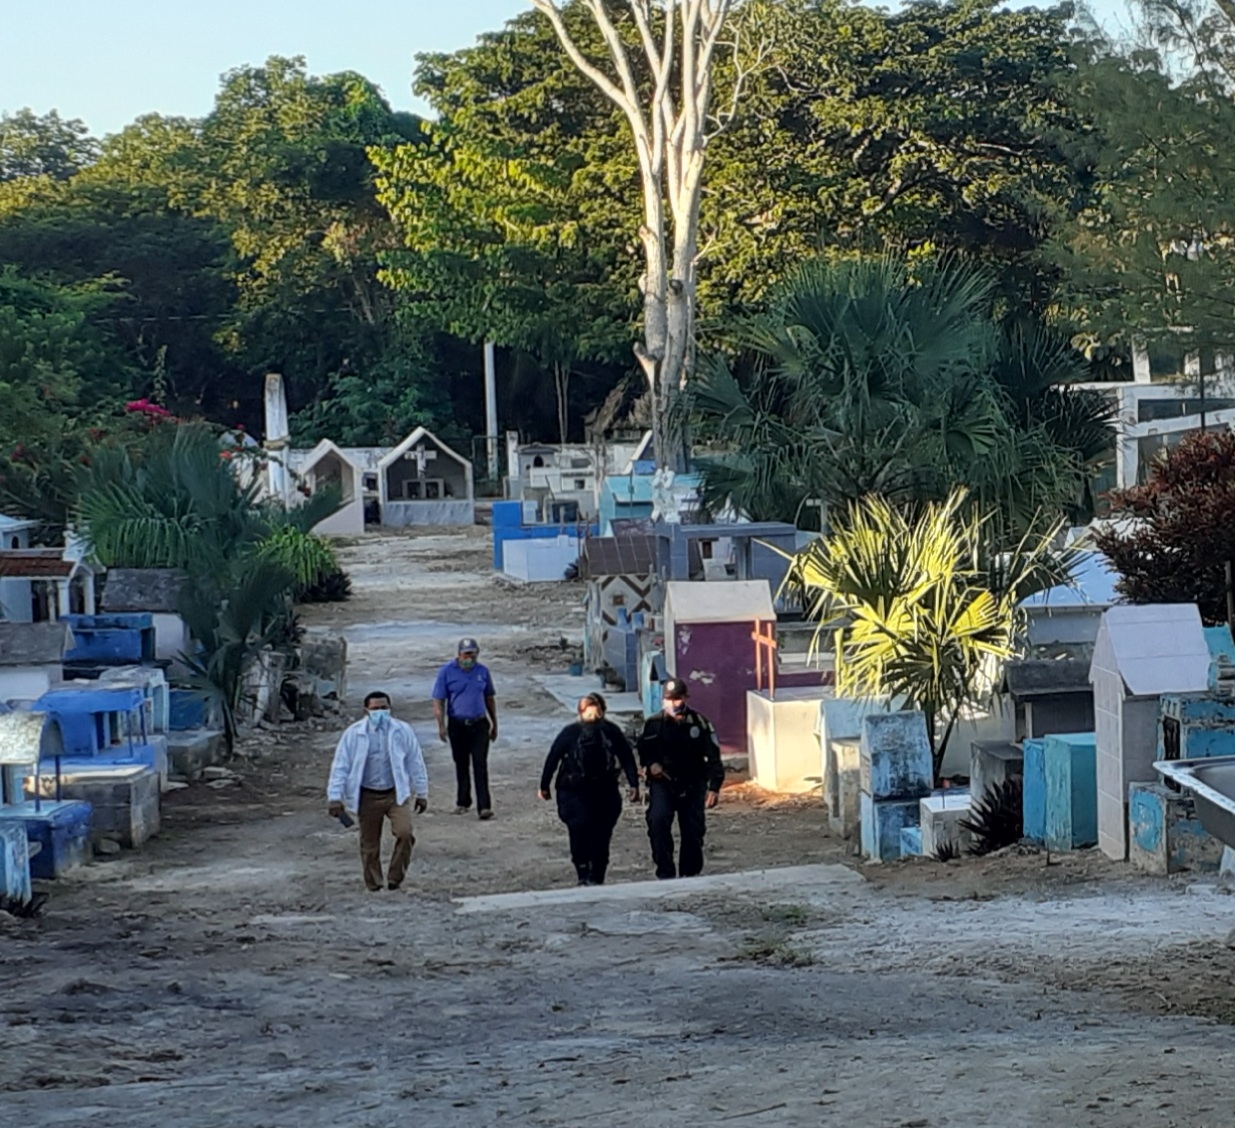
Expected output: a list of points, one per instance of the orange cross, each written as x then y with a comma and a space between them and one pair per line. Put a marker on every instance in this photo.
765, 644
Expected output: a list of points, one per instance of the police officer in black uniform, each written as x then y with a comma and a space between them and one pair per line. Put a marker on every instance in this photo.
680, 755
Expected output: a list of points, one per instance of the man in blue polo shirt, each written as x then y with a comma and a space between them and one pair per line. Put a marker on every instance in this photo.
466, 711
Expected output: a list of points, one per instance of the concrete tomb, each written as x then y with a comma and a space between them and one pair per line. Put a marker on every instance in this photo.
992, 763
708, 644
53, 833
40, 585
103, 724
328, 467
782, 739
423, 482
1141, 653
156, 592
31, 659
896, 773
1070, 800
1165, 836
840, 730
941, 815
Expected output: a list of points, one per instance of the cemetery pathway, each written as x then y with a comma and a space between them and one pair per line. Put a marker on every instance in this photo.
234, 972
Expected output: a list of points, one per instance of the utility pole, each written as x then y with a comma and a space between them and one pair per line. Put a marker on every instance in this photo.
491, 435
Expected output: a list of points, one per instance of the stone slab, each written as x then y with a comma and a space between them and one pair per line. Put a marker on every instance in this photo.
896, 756
191, 752
782, 740
788, 880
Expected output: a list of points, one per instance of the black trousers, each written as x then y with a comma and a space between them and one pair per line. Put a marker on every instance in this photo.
667, 800
590, 814
469, 748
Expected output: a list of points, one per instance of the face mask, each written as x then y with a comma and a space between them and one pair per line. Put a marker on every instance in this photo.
674, 708
590, 716
467, 663
379, 717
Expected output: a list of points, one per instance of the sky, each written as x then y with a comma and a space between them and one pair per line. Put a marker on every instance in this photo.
109, 61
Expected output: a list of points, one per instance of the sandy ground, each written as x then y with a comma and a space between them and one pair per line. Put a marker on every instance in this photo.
235, 972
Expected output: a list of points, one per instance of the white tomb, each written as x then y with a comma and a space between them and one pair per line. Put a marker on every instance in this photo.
1141, 653
423, 482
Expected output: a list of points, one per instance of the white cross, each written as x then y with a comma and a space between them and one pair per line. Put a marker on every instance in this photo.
421, 456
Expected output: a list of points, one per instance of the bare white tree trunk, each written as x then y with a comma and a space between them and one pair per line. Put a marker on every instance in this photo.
671, 122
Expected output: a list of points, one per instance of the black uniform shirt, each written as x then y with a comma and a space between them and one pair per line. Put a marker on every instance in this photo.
685, 747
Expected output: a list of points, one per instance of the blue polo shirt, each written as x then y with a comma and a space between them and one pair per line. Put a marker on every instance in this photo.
464, 691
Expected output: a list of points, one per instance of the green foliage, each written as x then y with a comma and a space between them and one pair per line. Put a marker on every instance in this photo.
33, 145
1149, 257
997, 817
871, 376
1172, 539
919, 605
232, 625
308, 558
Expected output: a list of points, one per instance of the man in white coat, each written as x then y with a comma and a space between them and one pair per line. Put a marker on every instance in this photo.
378, 767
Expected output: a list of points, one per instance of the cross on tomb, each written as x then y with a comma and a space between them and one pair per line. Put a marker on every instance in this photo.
765, 654
421, 457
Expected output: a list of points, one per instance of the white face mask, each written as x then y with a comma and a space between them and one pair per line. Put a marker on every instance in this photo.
379, 718
674, 708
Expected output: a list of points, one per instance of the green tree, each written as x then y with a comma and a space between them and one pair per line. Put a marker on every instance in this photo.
1149, 259
867, 376
919, 607
1172, 539
34, 145
497, 203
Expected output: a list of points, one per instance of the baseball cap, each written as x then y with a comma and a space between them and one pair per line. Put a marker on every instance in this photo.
675, 689
469, 646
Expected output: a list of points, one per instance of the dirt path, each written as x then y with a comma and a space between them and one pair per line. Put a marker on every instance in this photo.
234, 972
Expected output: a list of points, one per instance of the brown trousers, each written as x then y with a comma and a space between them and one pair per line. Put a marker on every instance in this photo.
376, 806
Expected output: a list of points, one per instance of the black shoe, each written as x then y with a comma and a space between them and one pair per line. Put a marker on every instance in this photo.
394, 886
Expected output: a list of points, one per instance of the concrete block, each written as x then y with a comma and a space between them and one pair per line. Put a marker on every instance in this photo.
186, 710
33, 644
1034, 790
124, 799
114, 640
190, 753
1164, 834
896, 756
784, 751
911, 842
143, 589
882, 823
940, 816
59, 831
842, 786
14, 863
1070, 764
992, 762
152, 682
324, 657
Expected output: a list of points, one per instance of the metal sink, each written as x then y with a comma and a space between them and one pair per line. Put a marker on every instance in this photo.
1212, 784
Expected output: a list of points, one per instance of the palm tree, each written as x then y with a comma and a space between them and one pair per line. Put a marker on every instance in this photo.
918, 608
865, 377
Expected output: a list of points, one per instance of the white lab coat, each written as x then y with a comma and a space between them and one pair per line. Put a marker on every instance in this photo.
407, 764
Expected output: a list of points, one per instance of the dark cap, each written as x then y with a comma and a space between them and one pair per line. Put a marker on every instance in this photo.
469, 646
675, 689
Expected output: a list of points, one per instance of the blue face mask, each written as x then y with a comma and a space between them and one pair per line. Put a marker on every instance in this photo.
379, 718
